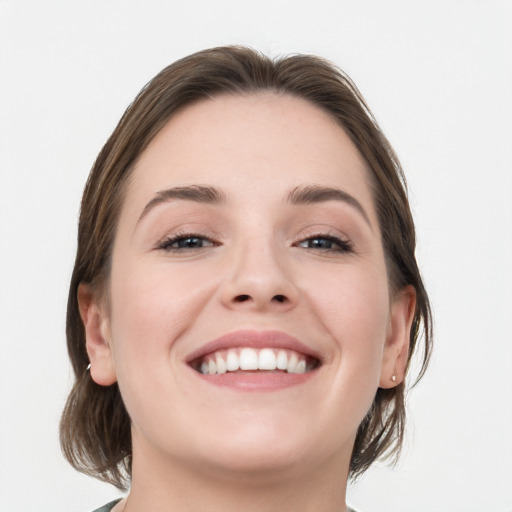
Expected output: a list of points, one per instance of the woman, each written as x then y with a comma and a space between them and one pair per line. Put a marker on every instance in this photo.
245, 300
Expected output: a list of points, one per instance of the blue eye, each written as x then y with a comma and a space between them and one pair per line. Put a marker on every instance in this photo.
326, 243
185, 242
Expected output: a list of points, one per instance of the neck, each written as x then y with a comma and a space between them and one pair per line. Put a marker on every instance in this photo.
160, 485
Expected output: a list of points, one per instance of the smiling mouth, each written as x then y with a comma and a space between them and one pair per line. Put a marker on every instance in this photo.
247, 360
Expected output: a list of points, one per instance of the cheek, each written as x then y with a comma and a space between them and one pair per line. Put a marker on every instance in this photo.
351, 296
353, 305
151, 306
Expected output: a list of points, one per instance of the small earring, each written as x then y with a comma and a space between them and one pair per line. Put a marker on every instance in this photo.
88, 367
393, 378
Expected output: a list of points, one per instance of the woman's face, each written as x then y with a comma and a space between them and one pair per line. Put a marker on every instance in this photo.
248, 236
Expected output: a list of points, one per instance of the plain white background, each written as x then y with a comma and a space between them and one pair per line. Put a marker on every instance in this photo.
438, 76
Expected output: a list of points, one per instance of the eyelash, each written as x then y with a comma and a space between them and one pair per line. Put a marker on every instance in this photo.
166, 244
342, 246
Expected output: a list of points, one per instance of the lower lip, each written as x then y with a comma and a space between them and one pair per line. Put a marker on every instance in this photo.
257, 381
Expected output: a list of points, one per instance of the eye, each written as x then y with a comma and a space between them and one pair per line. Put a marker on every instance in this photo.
326, 243
186, 242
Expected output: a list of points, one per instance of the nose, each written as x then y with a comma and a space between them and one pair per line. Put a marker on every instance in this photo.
260, 280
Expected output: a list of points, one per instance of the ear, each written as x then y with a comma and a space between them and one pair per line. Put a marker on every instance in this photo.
97, 336
396, 350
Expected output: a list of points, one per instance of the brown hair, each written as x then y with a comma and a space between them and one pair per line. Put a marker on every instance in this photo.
95, 427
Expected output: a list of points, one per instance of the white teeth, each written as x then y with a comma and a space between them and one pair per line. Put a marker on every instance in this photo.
232, 361
249, 359
221, 364
301, 367
292, 363
267, 359
282, 360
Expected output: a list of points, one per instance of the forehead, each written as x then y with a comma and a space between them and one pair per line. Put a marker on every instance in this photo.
264, 143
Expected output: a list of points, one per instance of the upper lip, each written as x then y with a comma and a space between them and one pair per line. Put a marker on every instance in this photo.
253, 339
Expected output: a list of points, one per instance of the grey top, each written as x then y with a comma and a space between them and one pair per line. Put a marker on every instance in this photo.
109, 506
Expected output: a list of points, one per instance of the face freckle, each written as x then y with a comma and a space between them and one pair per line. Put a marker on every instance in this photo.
249, 214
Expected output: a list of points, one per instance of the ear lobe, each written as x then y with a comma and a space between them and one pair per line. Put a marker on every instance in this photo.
97, 336
396, 350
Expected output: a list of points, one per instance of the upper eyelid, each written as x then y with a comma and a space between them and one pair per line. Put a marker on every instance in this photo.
332, 238
219, 237
171, 238
344, 242
327, 233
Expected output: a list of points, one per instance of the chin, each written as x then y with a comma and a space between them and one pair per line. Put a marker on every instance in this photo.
267, 449
254, 460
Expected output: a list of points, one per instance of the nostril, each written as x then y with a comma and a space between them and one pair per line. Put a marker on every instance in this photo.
279, 298
242, 298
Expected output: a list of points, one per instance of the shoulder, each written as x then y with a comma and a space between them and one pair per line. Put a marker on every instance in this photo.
108, 507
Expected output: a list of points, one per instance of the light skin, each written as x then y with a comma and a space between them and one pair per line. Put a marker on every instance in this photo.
251, 251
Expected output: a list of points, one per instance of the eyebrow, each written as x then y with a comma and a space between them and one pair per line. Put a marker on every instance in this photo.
312, 194
300, 195
196, 193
